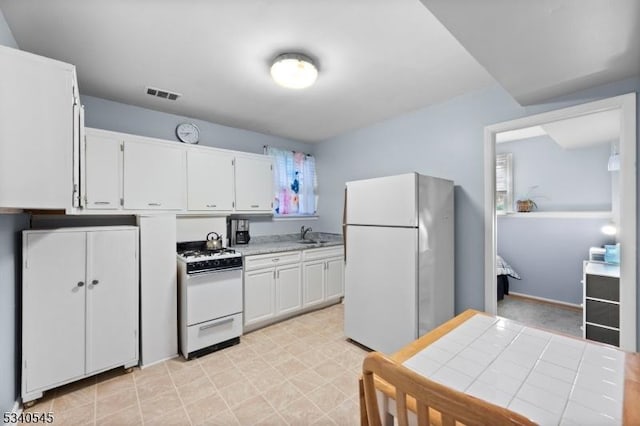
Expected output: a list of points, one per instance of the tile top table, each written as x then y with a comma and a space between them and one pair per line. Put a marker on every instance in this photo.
550, 378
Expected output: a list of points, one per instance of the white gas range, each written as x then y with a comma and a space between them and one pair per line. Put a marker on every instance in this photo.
210, 298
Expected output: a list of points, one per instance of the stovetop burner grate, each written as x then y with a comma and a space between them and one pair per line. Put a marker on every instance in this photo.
199, 248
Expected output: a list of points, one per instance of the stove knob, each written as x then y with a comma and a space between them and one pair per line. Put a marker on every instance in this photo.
216, 263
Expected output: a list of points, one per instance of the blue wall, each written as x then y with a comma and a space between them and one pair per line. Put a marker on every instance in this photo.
547, 253
566, 179
443, 140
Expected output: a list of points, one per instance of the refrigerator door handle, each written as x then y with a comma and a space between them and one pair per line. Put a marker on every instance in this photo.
344, 225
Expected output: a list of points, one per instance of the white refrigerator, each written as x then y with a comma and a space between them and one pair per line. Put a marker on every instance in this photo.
399, 259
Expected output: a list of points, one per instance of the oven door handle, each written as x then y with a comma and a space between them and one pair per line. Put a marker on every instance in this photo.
215, 271
217, 323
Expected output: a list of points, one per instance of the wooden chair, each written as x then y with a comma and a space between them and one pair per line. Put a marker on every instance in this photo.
434, 403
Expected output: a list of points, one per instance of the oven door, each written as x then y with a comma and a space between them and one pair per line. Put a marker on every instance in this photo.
212, 295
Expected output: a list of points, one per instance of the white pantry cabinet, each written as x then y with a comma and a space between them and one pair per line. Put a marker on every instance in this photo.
40, 125
79, 304
154, 175
210, 180
254, 184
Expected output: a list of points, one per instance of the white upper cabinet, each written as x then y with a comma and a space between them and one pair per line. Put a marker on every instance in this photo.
254, 184
154, 175
123, 173
39, 131
210, 183
103, 170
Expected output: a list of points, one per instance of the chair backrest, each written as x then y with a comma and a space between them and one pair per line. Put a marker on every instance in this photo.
428, 399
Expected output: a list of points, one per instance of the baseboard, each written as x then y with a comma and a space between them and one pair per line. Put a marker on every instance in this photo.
16, 411
545, 300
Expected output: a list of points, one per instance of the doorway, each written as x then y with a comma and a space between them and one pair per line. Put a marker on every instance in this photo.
623, 215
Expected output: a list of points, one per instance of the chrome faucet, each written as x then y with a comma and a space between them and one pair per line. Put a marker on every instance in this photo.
303, 232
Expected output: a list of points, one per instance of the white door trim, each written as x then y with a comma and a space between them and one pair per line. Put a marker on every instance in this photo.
627, 227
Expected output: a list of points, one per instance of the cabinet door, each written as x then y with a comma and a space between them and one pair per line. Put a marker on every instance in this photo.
53, 306
259, 291
335, 277
36, 131
154, 176
102, 172
112, 298
288, 289
209, 180
254, 184
313, 283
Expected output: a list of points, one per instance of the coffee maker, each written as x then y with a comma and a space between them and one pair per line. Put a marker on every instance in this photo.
239, 231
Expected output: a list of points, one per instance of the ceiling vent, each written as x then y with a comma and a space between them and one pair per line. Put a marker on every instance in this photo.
162, 93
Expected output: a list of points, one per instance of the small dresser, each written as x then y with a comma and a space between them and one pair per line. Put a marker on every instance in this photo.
601, 302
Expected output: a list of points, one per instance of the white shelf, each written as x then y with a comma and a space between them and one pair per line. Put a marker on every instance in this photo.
560, 215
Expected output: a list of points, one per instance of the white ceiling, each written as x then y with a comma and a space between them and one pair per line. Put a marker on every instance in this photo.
539, 49
377, 58
586, 130
583, 131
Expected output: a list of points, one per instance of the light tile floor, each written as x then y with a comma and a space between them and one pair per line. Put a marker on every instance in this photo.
298, 372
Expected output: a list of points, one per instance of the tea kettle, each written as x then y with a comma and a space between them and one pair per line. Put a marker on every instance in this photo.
214, 241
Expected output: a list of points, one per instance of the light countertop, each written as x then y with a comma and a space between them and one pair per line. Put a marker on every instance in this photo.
265, 244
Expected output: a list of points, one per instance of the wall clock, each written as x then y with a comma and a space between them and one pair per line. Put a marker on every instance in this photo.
188, 133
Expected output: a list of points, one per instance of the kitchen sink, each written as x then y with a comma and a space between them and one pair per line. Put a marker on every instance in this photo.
311, 241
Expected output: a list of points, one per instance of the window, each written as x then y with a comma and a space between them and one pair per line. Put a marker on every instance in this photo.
295, 182
504, 183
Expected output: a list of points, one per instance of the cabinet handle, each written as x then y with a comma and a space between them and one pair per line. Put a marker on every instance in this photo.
277, 259
255, 206
155, 204
274, 274
80, 283
217, 323
95, 282
211, 205
103, 203
277, 274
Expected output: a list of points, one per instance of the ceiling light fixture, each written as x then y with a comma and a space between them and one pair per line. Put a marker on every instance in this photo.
294, 71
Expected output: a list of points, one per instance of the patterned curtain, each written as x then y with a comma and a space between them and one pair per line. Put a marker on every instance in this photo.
295, 182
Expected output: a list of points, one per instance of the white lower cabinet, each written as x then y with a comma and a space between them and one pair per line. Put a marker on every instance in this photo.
314, 278
283, 284
259, 291
79, 305
334, 274
288, 289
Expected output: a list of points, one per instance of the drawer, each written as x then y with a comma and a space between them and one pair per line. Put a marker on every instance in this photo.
603, 313
601, 287
323, 253
603, 335
212, 332
269, 260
